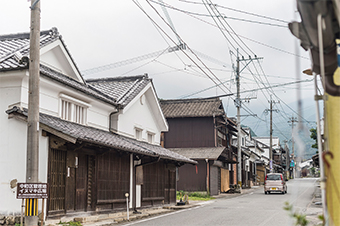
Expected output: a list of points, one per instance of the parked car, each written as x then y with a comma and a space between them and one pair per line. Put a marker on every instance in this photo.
274, 182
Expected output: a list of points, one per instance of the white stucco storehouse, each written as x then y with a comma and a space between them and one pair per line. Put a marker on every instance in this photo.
93, 143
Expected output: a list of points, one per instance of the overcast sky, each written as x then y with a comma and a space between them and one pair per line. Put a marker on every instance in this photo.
108, 31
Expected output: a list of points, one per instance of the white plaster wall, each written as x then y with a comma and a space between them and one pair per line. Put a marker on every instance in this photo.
12, 151
13, 164
140, 116
98, 115
55, 56
13, 136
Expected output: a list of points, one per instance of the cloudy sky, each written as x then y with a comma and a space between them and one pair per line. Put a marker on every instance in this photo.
108, 31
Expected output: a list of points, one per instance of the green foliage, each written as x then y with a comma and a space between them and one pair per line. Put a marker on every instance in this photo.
321, 217
300, 218
70, 223
312, 170
199, 196
314, 136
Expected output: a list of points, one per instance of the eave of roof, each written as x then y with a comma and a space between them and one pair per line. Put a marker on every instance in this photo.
211, 153
198, 107
74, 132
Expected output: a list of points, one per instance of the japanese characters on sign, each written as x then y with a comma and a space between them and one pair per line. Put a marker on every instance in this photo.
32, 191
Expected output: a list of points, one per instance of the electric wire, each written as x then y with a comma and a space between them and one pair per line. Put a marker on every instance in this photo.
227, 17
252, 40
173, 40
233, 47
241, 11
210, 12
243, 50
205, 66
219, 14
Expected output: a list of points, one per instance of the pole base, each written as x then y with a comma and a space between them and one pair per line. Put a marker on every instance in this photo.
31, 220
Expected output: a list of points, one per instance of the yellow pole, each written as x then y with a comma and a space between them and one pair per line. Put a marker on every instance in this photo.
331, 156
332, 169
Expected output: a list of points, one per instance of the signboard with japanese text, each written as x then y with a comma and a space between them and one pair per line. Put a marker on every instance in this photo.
32, 191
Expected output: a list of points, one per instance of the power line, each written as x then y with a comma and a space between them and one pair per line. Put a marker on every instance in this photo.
226, 17
241, 11
219, 14
221, 22
182, 42
252, 40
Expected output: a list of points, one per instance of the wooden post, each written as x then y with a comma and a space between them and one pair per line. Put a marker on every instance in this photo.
43, 212
208, 178
22, 212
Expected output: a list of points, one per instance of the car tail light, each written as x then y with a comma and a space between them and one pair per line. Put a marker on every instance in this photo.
281, 179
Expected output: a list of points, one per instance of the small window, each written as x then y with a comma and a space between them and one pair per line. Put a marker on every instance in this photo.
150, 138
138, 133
73, 112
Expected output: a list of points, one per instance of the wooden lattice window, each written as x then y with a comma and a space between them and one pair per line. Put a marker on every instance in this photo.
73, 110
57, 179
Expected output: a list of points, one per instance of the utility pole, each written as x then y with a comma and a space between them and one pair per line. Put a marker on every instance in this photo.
271, 102
32, 165
293, 120
287, 158
238, 106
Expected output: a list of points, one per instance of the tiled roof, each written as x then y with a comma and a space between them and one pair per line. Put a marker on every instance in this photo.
211, 153
101, 137
14, 45
192, 108
122, 89
50, 73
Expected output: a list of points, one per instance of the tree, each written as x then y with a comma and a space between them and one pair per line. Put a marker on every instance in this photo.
314, 136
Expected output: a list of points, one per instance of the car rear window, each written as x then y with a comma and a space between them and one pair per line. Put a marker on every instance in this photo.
273, 177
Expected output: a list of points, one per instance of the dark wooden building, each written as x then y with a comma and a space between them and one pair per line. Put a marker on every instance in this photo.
200, 130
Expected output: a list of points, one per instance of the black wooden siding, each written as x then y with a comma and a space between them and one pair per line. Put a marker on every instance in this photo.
189, 180
190, 132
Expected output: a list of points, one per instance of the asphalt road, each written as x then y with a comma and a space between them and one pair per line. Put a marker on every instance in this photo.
254, 208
